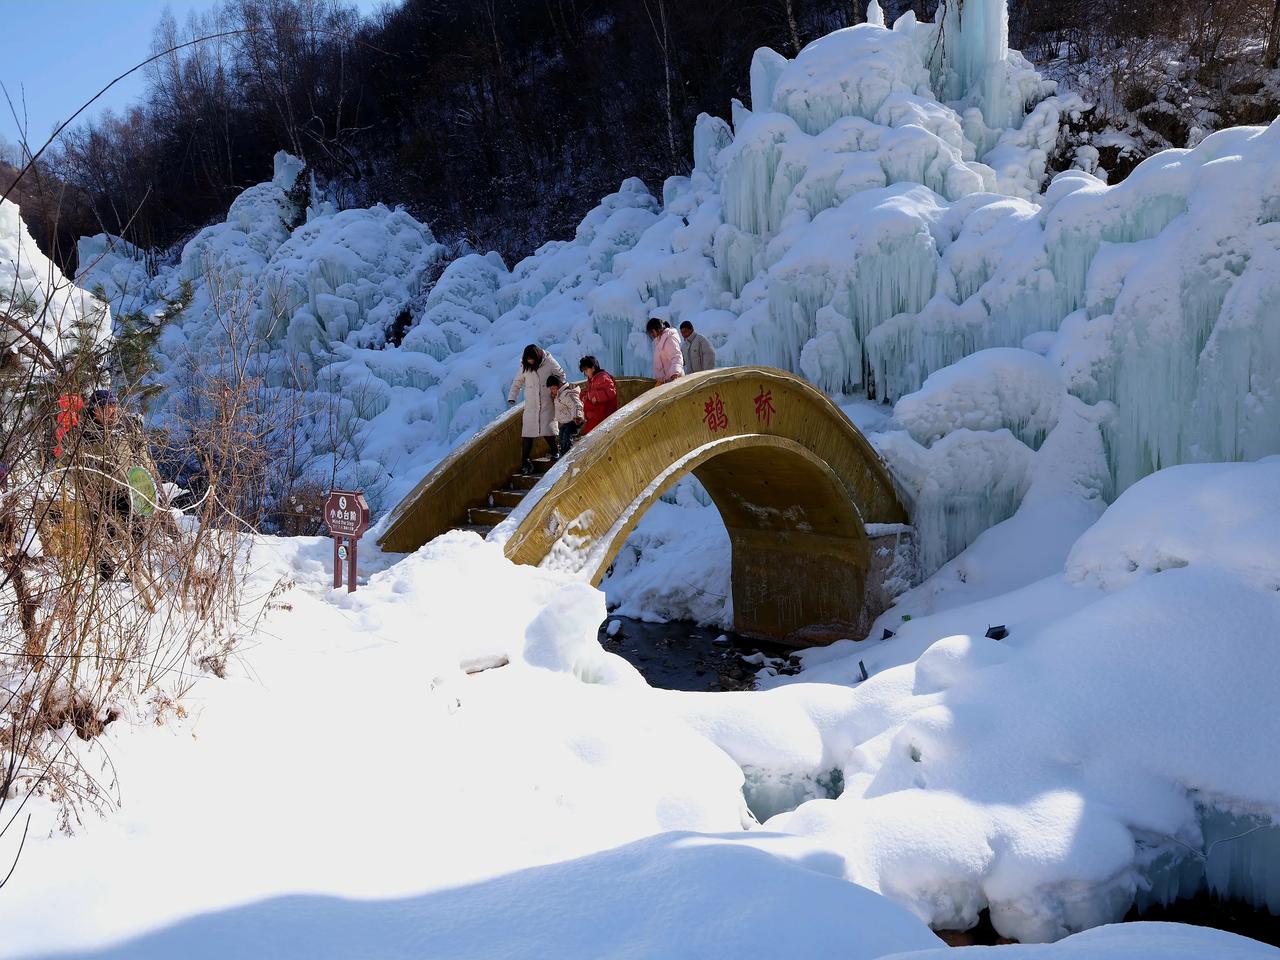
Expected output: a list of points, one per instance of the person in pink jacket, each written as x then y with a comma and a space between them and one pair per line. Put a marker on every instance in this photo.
668, 360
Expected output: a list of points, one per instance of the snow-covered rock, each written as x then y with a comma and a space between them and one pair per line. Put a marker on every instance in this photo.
1104, 750
47, 311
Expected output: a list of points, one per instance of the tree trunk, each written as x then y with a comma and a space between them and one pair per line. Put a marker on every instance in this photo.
795, 30
662, 34
1273, 39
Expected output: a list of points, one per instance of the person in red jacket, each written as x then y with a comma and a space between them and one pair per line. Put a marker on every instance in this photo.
599, 396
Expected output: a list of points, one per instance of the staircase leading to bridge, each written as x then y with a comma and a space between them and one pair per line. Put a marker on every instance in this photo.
502, 501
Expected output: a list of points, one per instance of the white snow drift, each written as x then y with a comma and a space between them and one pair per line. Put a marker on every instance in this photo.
1053, 777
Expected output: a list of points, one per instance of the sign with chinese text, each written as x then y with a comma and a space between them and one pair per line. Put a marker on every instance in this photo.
346, 513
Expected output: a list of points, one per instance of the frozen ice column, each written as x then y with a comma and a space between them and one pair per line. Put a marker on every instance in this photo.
974, 47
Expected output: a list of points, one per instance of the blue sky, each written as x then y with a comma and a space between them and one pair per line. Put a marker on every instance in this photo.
61, 52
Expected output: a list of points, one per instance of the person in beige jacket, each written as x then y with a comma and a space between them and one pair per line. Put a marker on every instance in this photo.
697, 350
566, 401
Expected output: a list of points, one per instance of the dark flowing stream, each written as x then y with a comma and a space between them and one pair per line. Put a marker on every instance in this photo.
679, 655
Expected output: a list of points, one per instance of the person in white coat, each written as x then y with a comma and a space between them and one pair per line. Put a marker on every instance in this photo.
569, 413
668, 361
539, 407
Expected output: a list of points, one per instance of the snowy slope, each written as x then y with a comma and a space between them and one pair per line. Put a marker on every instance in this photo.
45, 310
348, 790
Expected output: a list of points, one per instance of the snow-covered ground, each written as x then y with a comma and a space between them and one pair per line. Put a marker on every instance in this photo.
349, 790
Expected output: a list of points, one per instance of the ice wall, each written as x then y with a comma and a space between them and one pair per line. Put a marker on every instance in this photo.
973, 55
878, 213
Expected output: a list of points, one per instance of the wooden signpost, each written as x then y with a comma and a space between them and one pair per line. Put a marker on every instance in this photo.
346, 513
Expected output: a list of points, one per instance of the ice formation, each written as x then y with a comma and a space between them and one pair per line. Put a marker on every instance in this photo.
43, 310
879, 213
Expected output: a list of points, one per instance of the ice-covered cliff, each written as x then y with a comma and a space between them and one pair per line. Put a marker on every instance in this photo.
878, 214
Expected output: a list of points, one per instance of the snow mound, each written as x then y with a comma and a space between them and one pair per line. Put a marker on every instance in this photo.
660, 897
987, 390
47, 311
117, 267
1130, 941
1065, 770
1224, 514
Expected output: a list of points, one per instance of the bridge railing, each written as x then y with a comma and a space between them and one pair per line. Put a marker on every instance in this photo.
465, 478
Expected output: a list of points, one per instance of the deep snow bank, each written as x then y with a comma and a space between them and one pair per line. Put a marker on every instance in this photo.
668, 896
1054, 776
1131, 941
1109, 747
43, 310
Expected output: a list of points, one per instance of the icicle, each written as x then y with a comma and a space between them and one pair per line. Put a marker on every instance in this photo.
875, 14
975, 51
766, 66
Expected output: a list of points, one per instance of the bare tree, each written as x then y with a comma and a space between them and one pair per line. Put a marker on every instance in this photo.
1272, 59
662, 36
792, 28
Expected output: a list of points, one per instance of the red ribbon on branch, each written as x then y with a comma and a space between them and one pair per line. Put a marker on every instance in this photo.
68, 416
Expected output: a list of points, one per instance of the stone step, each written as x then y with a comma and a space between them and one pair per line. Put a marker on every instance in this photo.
488, 515
506, 498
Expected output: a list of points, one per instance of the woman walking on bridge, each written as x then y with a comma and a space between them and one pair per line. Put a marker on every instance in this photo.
668, 361
539, 408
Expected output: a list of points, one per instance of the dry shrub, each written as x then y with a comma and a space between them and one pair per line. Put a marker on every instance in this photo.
111, 606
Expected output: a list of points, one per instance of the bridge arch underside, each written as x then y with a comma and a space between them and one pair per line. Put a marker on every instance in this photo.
795, 497
799, 552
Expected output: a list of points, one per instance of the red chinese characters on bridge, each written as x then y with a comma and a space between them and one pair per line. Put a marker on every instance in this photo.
713, 414
764, 407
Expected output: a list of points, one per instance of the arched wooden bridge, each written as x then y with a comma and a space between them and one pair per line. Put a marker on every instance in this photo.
815, 524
